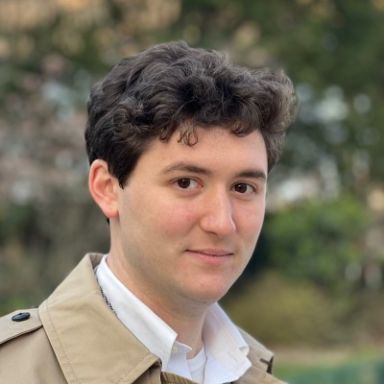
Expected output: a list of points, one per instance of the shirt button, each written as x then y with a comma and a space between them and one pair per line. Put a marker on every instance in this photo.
22, 316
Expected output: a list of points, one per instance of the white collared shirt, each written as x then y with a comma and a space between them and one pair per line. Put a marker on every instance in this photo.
223, 358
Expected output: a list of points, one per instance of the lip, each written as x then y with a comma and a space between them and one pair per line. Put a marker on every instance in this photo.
210, 252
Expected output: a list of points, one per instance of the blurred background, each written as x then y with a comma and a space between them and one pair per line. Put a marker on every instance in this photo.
314, 289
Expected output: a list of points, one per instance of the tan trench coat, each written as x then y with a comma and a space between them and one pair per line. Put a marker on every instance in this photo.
73, 337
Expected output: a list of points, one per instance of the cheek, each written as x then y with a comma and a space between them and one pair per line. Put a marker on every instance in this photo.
251, 222
175, 219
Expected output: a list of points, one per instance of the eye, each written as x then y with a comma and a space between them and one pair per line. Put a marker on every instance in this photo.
244, 188
186, 183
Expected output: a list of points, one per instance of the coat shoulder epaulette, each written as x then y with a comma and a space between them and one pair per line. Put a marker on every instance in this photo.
18, 323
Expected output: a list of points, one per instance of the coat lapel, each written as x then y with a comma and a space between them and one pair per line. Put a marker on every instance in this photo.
90, 343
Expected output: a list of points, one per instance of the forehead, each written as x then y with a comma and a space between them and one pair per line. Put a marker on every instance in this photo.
216, 148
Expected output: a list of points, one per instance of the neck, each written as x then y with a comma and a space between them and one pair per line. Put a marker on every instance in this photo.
185, 318
187, 325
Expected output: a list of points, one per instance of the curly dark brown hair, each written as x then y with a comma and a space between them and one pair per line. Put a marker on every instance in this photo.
171, 87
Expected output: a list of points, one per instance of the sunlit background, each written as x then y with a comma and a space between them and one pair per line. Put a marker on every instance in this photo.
314, 289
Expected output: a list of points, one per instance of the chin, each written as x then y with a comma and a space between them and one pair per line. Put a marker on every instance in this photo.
210, 296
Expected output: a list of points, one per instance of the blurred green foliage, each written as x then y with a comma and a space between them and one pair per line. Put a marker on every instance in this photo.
285, 312
317, 240
354, 372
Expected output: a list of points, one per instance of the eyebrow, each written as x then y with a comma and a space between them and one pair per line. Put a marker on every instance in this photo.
187, 167
253, 174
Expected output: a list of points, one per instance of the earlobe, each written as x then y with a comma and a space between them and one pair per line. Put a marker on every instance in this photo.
103, 188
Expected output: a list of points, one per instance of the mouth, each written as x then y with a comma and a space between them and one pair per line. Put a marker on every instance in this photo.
211, 252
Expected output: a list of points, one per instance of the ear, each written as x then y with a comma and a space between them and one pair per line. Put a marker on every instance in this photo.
103, 188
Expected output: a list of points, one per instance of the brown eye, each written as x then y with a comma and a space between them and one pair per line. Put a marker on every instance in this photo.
243, 188
184, 183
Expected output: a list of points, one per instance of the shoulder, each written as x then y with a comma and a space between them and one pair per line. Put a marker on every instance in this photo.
18, 323
26, 354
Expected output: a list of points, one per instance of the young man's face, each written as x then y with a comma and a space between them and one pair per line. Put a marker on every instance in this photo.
189, 217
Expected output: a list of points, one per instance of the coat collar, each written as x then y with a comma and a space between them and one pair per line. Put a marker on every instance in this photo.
257, 374
261, 359
90, 343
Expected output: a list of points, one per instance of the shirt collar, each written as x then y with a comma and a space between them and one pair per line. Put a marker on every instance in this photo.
225, 347
149, 328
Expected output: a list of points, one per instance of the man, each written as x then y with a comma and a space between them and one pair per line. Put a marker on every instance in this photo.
180, 144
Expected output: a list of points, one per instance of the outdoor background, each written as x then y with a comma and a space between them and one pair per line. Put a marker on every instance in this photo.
314, 289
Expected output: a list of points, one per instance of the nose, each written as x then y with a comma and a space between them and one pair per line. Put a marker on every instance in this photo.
218, 215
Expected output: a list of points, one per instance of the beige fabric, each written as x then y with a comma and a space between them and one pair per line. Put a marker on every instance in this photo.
73, 337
